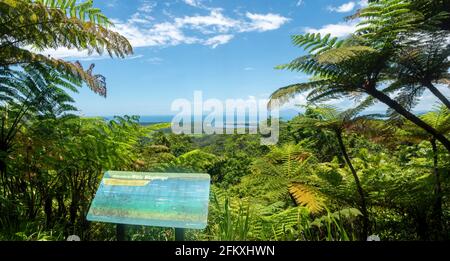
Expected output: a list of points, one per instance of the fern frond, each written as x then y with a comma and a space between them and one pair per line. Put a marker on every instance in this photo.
315, 43
337, 55
385, 20
306, 196
287, 93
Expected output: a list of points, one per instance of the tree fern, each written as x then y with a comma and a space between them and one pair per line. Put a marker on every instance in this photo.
53, 24
385, 25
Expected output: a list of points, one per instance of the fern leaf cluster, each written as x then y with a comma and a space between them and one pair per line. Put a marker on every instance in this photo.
305, 196
315, 43
27, 26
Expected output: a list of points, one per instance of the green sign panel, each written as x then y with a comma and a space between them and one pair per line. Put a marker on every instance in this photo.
177, 200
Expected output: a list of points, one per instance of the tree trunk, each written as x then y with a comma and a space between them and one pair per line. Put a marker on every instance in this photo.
358, 186
61, 214
437, 206
48, 209
421, 225
408, 115
4, 153
73, 210
438, 94
3, 179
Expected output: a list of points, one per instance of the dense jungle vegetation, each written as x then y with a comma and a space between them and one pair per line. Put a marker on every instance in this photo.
336, 174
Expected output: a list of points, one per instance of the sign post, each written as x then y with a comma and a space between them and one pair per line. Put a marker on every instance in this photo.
178, 200
179, 234
120, 232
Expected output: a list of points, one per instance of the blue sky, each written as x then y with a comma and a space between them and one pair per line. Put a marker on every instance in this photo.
227, 49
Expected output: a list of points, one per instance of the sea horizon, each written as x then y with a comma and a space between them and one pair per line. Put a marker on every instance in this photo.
163, 118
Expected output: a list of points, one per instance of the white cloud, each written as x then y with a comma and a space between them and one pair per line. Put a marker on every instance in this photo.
265, 22
157, 35
134, 57
218, 40
147, 6
74, 54
112, 3
299, 3
293, 104
429, 101
217, 22
344, 8
195, 3
144, 32
63, 53
143, 13
249, 69
336, 30
214, 22
363, 3
213, 29
103, 57
141, 18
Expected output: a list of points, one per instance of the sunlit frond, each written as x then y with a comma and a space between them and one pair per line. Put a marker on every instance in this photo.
306, 196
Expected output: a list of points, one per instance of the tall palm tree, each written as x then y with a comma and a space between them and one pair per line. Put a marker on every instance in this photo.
331, 119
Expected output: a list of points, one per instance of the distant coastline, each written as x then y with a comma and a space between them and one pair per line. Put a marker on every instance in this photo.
154, 119
285, 115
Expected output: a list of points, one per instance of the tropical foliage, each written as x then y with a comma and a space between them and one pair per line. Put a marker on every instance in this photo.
337, 174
